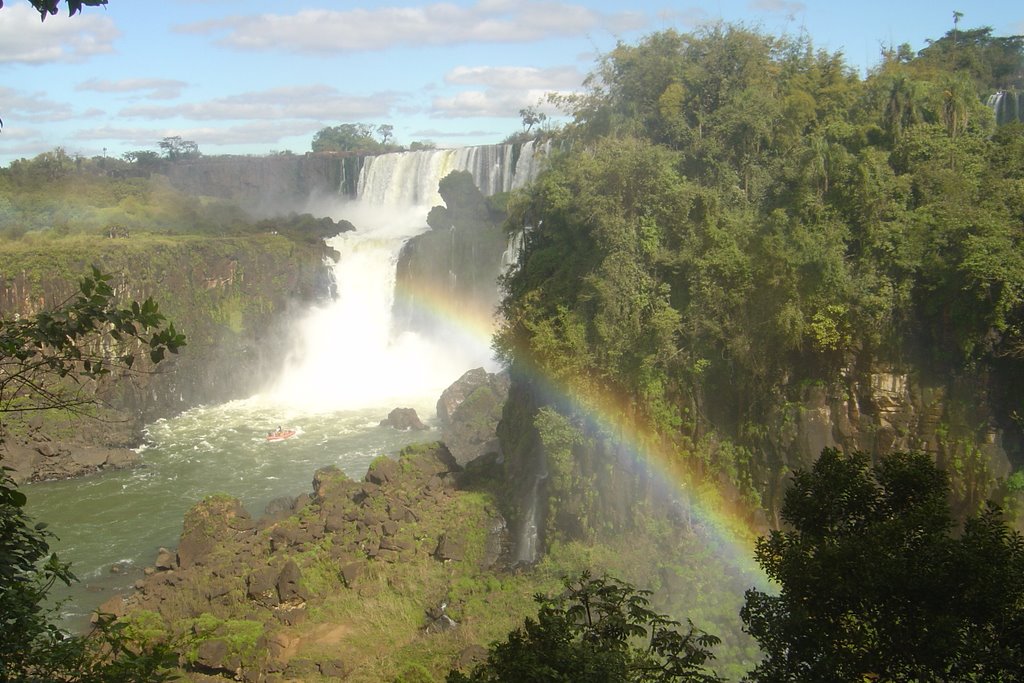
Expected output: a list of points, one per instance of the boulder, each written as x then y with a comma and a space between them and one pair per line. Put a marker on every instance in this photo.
207, 525
279, 508
193, 549
350, 573
289, 583
212, 655
382, 470
115, 607
333, 668
21, 460
449, 548
404, 419
260, 586
469, 411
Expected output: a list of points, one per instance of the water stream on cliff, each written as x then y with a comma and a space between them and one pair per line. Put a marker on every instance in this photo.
347, 370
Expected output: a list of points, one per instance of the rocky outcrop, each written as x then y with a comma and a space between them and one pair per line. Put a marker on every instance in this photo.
469, 411
242, 589
403, 419
31, 460
885, 409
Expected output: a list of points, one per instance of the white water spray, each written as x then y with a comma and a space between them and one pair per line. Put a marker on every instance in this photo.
347, 354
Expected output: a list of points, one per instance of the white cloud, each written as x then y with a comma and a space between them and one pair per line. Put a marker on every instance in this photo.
692, 17
258, 133
521, 77
27, 40
318, 102
489, 103
32, 107
490, 21
435, 134
783, 6
150, 88
506, 90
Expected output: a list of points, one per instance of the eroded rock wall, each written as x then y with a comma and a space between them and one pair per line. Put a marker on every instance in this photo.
234, 298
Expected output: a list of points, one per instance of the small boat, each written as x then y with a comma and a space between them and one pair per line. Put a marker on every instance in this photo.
281, 434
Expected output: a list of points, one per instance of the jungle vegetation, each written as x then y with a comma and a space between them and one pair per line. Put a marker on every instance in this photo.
730, 217
733, 217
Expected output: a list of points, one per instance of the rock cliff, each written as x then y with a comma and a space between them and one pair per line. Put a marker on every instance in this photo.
268, 185
588, 479
233, 297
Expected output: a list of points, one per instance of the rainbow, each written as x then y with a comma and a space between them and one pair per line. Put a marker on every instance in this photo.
725, 522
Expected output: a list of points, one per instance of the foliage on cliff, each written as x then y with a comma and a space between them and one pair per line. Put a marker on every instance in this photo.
598, 629
44, 361
739, 215
876, 581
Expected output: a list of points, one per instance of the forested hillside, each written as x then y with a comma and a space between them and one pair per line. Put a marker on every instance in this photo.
746, 252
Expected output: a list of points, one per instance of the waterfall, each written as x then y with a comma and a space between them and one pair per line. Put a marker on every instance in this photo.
514, 250
1007, 106
349, 353
531, 158
346, 354
412, 177
528, 541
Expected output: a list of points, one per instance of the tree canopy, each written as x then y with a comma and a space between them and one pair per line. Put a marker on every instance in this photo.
51, 7
350, 137
735, 216
877, 584
599, 630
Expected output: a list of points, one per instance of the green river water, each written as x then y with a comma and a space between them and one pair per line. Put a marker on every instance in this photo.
348, 370
120, 519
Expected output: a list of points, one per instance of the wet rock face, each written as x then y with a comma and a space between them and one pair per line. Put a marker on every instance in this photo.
881, 410
469, 411
403, 419
32, 460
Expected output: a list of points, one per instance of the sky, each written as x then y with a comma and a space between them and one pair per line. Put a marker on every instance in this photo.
256, 77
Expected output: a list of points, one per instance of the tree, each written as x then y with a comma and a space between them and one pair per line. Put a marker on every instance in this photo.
51, 7
44, 358
875, 583
532, 117
42, 362
176, 149
347, 137
386, 130
598, 630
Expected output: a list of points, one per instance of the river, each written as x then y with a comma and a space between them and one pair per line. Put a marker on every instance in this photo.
347, 370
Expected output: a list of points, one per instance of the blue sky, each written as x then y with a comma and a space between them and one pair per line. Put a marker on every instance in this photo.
251, 77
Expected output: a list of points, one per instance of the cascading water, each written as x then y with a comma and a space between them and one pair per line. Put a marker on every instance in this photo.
1007, 105
528, 539
410, 178
347, 354
348, 368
